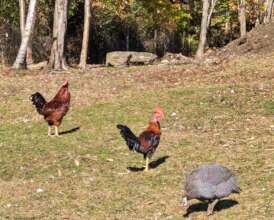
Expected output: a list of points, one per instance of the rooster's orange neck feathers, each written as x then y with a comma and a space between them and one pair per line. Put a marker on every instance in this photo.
154, 127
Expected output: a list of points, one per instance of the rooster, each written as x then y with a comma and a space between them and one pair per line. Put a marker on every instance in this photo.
54, 110
148, 140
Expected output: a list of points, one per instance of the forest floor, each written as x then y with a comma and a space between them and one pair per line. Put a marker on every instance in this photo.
218, 114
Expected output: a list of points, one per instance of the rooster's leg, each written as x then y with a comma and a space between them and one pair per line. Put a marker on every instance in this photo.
147, 164
49, 131
56, 131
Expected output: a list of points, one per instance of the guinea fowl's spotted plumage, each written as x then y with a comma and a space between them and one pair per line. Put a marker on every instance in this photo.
210, 182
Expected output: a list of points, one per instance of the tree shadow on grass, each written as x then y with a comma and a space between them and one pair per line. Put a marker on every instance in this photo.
152, 165
202, 207
70, 131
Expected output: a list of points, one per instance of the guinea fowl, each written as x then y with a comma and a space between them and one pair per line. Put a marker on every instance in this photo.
209, 183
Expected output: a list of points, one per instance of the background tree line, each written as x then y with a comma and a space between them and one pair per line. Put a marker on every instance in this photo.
80, 31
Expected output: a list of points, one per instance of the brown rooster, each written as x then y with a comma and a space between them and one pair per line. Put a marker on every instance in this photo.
148, 140
54, 110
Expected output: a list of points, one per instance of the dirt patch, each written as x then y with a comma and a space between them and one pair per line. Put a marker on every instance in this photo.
257, 41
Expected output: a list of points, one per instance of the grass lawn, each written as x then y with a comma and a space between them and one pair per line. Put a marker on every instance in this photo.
222, 114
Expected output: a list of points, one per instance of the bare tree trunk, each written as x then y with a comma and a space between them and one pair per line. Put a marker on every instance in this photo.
258, 4
22, 4
213, 3
54, 34
183, 39
2, 53
242, 18
127, 38
227, 24
84, 51
268, 11
57, 60
204, 25
155, 39
20, 59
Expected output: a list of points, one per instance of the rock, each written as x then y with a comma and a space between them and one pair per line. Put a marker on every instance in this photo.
77, 162
173, 114
175, 58
142, 58
38, 66
91, 66
39, 190
164, 61
126, 58
212, 60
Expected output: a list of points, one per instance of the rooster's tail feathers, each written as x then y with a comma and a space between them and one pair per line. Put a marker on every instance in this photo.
130, 138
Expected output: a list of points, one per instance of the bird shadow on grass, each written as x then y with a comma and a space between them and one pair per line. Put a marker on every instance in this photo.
202, 207
152, 165
70, 131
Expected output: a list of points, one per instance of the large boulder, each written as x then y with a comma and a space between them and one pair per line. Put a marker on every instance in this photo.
126, 58
175, 58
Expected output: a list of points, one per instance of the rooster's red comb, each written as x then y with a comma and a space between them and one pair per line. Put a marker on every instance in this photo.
158, 110
65, 83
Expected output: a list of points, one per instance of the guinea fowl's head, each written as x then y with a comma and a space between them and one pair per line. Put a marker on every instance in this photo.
158, 114
184, 201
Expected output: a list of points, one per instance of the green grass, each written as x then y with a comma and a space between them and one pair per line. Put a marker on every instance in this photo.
223, 116
269, 106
